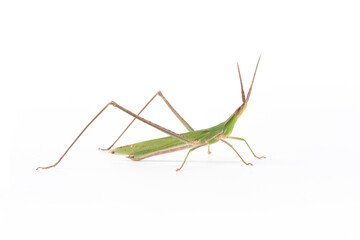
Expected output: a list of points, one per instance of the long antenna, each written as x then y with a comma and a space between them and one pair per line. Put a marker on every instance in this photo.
248, 95
242, 87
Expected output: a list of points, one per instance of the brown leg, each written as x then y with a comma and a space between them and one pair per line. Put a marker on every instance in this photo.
159, 93
167, 131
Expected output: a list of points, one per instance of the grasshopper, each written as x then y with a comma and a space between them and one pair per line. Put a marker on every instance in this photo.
175, 142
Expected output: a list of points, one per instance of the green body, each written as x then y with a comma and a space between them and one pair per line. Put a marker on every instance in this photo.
141, 150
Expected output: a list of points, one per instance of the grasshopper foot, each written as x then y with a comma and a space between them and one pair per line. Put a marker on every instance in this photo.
44, 167
260, 157
103, 149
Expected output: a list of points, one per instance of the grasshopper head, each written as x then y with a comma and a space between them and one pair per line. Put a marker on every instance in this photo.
230, 123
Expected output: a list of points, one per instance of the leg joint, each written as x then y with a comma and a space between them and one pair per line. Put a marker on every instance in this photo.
112, 103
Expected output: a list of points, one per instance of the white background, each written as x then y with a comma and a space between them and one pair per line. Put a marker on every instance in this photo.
61, 62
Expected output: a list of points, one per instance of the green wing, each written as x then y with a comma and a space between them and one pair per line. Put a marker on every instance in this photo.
141, 150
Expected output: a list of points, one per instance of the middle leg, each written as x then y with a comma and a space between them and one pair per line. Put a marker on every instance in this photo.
187, 156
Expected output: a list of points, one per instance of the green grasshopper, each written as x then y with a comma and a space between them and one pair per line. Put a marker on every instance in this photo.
190, 140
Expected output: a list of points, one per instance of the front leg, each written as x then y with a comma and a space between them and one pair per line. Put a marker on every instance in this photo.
249, 164
242, 139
